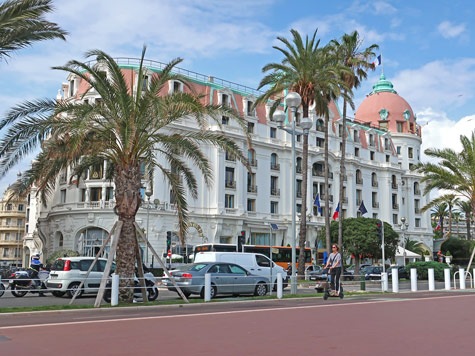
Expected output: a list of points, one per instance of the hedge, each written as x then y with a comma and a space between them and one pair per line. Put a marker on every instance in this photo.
423, 266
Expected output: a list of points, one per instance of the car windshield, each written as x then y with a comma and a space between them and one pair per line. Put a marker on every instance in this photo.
197, 267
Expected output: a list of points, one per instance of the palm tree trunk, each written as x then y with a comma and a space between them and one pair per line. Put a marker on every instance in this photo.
468, 229
303, 214
450, 221
327, 197
442, 226
342, 174
127, 195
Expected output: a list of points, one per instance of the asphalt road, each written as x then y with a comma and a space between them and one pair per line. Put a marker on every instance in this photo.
402, 324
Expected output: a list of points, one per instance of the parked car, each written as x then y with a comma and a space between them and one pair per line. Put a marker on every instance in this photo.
401, 272
373, 272
351, 269
226, 278
67, 274
313, 271
255, 263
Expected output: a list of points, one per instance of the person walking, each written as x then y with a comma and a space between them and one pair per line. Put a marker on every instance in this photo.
334, 263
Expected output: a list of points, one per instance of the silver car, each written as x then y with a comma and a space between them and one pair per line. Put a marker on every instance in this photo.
226, 278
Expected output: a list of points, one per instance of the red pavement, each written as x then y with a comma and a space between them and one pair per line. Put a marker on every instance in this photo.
439, 325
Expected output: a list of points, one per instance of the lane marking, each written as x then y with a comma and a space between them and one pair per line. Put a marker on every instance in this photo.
277, 309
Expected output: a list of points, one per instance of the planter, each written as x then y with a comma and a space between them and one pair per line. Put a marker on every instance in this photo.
427, 258
448, 259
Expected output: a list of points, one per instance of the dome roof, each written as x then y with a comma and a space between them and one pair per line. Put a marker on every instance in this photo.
383, 107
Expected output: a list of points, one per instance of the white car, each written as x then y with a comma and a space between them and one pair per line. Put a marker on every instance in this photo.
255, 263
67, 274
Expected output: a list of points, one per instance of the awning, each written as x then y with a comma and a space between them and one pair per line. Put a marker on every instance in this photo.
409, 254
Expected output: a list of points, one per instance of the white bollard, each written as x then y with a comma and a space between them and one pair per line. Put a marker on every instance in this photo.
279, 286
115, 290
447, 278
413, 280
462, 278
384, 282
395, 281
207, 287
431, 279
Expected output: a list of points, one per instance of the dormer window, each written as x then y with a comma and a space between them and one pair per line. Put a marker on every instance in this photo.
71, 87
371, 139
250, 109
356, 136
225, 100
386, 144
145, 83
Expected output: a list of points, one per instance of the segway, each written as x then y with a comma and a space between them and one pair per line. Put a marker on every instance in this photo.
327, 288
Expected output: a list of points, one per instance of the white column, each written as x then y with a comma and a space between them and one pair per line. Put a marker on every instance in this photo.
462, 278
384, 282
395, 280
207, 287
413, 280
447, 278
431, 279
115, 290
279, 286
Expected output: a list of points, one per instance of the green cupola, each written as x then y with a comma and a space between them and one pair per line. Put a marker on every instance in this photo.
383, 85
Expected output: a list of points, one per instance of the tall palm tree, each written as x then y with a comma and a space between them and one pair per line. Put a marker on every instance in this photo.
303, 71
350, 53
451, 200
414, 246
439, 212
128, 128
22, 22
466, 208
456, 216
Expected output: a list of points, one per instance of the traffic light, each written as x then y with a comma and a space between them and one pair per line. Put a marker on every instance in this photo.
379, 230
241, 241
169, 240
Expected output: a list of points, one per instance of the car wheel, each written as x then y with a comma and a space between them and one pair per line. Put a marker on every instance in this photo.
73, 287
261, 289
153, 294
212, 292
107, 296
186, 294
58, 294
325, 295
2, 289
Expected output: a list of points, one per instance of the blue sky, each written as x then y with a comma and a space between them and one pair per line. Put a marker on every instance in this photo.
428, 47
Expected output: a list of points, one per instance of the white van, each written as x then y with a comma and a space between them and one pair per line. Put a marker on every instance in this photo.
254, 262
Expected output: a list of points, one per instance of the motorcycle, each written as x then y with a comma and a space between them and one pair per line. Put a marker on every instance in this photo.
22, 282
152, 290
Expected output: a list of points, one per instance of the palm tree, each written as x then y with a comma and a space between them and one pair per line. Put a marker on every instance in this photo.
302, 70
351, 55
128, 128
466, 208
22, 22
439, 212
456, 215
414, 246
450, 200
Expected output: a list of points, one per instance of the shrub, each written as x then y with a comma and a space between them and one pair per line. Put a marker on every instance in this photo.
459, 249
422, 269
61, 253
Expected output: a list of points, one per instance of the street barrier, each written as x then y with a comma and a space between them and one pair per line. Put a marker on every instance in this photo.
207, 287
413, 280
115, 290
431, 279
395, 280
384, 282
462, 278
447, 278
279, 286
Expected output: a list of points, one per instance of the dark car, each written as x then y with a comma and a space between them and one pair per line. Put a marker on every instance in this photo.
401, 272
373, 272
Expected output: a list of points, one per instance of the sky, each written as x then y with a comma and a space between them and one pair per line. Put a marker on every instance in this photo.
427, 46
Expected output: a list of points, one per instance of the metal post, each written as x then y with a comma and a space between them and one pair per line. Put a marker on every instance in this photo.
271, 284
279, 286
207, 287
293, 278
382, 246
447, 278
431, 279
413, 280
149, 194
462, 278
115, 290
395, 281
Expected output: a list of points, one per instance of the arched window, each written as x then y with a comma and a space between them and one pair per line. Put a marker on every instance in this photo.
274, 162
393, 182
90, 241
251, 156
320, 125
374, 180
359, 177
417, 190
317, 169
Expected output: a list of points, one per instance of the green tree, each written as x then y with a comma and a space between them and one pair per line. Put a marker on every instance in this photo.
360, 238
439, 213
22, 22
466, 208
414, 246
308, 70
349, 53
460, 249
450, 200
129, 128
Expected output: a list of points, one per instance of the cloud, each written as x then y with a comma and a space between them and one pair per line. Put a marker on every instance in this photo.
450, 30
382, 7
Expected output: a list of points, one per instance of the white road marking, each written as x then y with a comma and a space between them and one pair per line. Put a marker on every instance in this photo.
278, 309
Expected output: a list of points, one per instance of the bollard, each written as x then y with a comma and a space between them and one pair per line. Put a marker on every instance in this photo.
413, 280
115, 290
207, 287
279, 286
362, 283
384, 282
447, 278
431, 279
395, 281
462, 278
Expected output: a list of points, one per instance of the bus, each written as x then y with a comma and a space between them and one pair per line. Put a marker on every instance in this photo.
281, 255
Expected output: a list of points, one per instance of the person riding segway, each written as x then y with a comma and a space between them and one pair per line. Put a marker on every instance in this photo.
334, 267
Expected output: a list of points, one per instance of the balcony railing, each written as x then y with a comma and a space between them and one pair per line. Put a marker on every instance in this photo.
359, 180
375, 204
275, 166
395, 206
231, 184
374, 183
252, 188
253, 162
330, 198
322, 174
358, 202
275, 192
394, 185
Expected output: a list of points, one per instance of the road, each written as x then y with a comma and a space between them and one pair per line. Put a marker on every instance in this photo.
402, 324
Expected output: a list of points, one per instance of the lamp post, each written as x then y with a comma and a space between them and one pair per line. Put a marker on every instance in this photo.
148, 193
404, 226
293, 100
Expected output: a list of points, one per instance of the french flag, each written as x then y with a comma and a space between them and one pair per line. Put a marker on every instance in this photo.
337, 212
378, 61
437, 228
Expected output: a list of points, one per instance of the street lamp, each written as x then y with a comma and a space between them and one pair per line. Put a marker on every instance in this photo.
293, 100
404, 226
148, 193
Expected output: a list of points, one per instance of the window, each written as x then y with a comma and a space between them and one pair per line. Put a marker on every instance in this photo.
371, 139
274, 162
395, 221
229, 156
71, 87
359, 196
229, 176
375, 215
229, 201
99, 101
177, 87
251, 204
96, 194
418, 222
399, 126
357, 152
63, 196
340, 130
299, 208
386, 144
299, 188
273, 132
20, 207
236, 269
7, 236
6, 252
320, 125
274, 190
109, 193
297, 119
250, 111
224, 100
374, 199
298, 167
387, 158
359, 177
262, 261
9, 207
356, 136
19, 222
250, 127
96, 171
145, 83
82, 195
299, 138
320, 142
8, 221
274, 207
371, 155
225, 120
398, 150
410, 152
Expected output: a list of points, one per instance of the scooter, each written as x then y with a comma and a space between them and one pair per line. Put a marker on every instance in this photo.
22, 283
327, 289
152, 290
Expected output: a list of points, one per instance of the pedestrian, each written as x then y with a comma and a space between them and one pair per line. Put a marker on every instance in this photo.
334, 263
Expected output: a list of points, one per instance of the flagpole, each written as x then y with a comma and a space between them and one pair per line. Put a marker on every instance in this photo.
382, 65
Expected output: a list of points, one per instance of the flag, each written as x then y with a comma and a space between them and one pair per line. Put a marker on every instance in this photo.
378, 61
337, 211
362, 208
437, 228
317, 203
